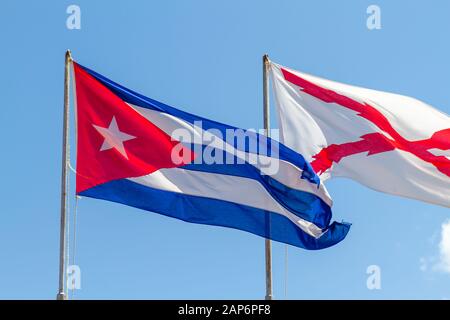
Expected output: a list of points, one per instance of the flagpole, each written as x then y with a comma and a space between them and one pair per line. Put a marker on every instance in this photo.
62, 236
268, 245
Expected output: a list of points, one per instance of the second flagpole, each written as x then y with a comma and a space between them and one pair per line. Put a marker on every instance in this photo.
266, 112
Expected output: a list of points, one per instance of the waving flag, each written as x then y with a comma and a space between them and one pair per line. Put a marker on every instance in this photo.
388, 142
130, 151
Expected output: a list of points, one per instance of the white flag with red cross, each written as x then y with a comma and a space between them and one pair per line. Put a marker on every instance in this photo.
388, 142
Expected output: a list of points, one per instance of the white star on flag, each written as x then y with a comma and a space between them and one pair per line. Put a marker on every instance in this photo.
114, 138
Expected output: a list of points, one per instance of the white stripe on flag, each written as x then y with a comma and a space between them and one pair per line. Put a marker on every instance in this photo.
234, 189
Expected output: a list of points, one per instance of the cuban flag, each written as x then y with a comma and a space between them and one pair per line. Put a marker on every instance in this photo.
142, 153
388, 142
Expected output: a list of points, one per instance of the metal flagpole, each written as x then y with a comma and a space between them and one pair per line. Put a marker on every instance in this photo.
268, 245
62, 237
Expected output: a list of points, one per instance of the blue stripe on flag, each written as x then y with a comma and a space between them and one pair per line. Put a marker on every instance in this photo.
305, 205
209, 211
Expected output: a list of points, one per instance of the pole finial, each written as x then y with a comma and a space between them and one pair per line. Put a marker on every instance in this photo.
69, 55
266, 58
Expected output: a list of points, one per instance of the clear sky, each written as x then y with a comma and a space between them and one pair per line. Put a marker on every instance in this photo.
205, 57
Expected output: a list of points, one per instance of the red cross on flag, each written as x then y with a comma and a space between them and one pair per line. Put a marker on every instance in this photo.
388, 142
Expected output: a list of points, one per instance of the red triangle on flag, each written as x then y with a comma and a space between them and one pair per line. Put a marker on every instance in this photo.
114, 140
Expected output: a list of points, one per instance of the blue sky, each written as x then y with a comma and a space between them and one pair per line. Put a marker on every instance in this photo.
205, 57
